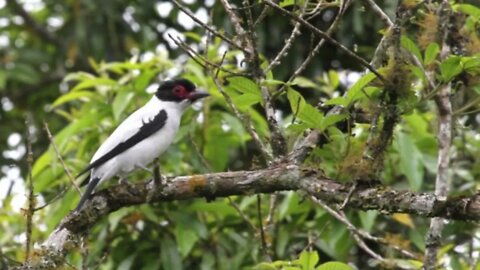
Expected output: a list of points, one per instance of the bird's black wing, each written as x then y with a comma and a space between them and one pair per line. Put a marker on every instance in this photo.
145, 131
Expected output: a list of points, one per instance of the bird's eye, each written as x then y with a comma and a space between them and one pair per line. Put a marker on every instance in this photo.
180, 91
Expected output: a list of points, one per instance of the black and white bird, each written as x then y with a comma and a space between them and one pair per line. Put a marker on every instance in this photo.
143, 136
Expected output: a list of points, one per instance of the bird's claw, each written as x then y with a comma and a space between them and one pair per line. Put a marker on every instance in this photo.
155, 185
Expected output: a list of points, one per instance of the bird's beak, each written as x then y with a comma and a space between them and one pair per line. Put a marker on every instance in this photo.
197, 94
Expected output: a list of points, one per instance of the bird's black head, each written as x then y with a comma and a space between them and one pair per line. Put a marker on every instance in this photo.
178, 90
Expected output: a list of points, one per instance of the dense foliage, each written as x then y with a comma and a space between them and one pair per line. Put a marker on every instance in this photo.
102, 60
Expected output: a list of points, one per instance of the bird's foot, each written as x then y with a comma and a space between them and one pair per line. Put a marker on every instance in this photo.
155, 185
130, 187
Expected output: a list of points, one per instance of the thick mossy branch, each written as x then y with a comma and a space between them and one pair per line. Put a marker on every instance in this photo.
279, 178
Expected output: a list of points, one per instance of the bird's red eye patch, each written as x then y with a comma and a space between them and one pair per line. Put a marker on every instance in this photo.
180, 91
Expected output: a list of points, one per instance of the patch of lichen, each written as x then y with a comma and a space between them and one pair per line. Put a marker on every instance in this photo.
428, 27
397, 74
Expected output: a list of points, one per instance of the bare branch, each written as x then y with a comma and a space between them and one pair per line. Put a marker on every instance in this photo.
444, 137
282, 177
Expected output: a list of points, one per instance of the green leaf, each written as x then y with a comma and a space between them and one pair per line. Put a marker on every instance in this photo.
169, 254
410, 160
296, 100
330, 120
305, 112
286, 3
471, 64
304, 82
186, 239
431, 53
334, 266
333, 78
41, 163
451, 67
311, 116
308, 260
265, 266
84, 95
78, 76
91, 83
408, 44
120, 103
476, 88
418, 73
141, 82
469, 9
244, 85
367, 218
355, 92
246, 100
337, 101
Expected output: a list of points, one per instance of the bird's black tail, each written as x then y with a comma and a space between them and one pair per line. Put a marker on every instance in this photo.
88, 192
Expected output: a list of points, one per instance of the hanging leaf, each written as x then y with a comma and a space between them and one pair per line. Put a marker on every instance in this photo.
431, 53
451, 67
408, 44
355, 92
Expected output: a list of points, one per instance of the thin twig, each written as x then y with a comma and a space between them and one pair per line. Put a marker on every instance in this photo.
31, 196
271, 211
242, 215
262, 15
241, 33
262, 231
207, 27
278, 141
286, 47
198, 58
58, 196
205, 162
315, 50
232, 202
246, 123
327, 38
288, 43
383, 16
355, 232
359, 234
59, 156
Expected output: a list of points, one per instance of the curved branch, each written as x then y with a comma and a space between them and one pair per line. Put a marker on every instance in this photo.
279, 178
